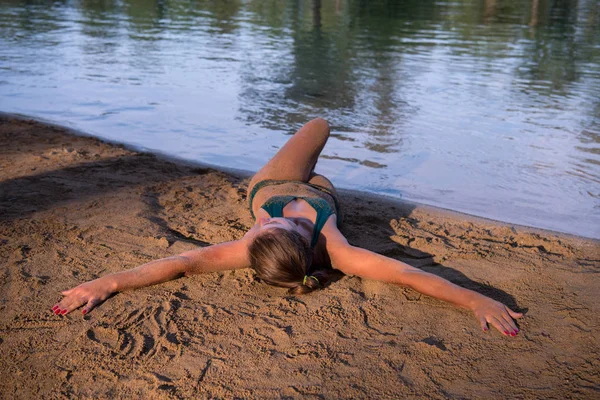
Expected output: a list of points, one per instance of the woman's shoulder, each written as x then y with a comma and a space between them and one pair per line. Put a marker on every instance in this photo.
332, 233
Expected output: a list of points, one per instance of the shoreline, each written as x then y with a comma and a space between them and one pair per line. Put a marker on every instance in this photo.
73, 208
240, 173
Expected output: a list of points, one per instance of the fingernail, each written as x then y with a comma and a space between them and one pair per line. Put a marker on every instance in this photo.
513, 334
63, 312
516, 331
485, 329
57, 311
83, 312
506, 332
54, 308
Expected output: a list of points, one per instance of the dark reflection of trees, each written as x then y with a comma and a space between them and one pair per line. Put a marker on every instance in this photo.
564, 54
272, 14
312, 80
490, 11
100, 18
146, 26
343, 64
386, 11
389, 110
589, 149
100, 24
222, 14
558, 51
383, 76
321, 71
146, 18
34, 17
344, 60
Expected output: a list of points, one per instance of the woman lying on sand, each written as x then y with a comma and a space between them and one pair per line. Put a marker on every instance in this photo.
295, 243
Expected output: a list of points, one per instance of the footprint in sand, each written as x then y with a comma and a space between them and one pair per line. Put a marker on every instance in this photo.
138, 334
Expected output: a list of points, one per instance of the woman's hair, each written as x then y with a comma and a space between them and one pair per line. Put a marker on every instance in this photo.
284, 258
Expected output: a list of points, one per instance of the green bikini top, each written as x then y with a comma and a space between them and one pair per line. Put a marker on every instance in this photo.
275, 205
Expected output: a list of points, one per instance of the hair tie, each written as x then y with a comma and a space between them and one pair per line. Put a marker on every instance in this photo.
306, 277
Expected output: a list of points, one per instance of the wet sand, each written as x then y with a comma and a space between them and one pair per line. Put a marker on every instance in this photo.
74, 208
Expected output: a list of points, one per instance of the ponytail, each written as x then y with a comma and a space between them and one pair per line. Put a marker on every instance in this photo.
317, 279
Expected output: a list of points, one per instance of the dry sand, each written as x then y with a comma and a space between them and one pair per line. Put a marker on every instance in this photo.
74, 208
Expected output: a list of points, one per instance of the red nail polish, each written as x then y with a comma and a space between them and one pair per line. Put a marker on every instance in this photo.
57, 311
54, 308
506, 332
83, 312
63, 312
513, 334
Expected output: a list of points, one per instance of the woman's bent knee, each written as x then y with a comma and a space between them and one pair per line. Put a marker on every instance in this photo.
320, 124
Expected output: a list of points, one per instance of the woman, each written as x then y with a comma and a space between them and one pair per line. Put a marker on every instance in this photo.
295, 243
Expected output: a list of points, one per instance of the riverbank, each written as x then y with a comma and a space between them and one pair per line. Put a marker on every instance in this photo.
73, 208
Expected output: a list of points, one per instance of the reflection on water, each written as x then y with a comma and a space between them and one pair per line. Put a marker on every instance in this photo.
488, 107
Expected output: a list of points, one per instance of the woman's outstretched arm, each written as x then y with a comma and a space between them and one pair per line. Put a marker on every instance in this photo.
366, 264
219, 257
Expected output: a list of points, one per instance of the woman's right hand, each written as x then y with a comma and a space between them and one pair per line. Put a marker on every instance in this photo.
90, 293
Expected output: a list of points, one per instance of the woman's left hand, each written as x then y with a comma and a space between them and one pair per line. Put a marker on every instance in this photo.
500, 316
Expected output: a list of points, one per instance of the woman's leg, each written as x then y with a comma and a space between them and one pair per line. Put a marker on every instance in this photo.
297, 158
320, 180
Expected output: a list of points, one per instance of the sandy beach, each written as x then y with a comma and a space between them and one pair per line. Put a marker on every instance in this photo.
73, 208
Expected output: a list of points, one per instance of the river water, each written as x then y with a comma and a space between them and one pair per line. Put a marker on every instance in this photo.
486, 107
